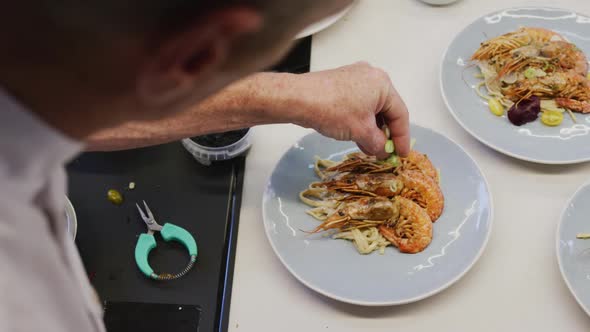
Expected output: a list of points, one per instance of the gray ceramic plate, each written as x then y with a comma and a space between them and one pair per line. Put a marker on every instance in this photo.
573, 255
566, 144
71, 219
335, 269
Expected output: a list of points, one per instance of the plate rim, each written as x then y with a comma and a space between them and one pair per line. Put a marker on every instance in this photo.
385, 303
323, 23
70, 210
557, 240
471, 132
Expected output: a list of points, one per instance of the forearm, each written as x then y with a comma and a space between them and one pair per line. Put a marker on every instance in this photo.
343, 103
258, 99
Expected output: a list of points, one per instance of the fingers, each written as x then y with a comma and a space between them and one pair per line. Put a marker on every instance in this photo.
347, 108
396, 116
391, 111
363, 149
371, 140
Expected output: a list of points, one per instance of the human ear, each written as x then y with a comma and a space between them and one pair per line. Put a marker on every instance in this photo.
192, 56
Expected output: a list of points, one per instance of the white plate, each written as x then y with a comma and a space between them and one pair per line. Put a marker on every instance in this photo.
323, 24
535, 142
72, 220
335, 269
573, 255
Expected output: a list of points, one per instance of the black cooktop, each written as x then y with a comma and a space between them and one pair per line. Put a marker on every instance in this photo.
205, 200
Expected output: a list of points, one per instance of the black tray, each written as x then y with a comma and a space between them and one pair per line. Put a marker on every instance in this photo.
203, 200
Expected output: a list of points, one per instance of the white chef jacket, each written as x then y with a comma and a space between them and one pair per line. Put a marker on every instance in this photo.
43, 285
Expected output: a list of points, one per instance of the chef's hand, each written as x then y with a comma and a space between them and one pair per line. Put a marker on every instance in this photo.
346, 103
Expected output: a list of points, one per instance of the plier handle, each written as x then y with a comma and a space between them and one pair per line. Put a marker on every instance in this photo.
147, 242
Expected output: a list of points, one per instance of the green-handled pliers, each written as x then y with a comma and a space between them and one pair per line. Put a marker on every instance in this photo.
147, 242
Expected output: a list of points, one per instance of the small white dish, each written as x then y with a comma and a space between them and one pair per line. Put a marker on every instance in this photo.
72, 220
439, 2
323, 24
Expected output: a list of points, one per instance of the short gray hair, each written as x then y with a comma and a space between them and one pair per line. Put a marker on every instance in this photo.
141, 15
58, 31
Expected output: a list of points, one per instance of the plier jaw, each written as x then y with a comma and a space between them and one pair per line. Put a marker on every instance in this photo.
149, 219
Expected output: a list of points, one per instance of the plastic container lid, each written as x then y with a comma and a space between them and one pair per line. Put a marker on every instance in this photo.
207, 154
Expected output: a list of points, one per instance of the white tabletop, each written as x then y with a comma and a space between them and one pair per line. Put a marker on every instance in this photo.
515, 285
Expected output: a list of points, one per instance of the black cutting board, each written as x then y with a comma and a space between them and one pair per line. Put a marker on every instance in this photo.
179, 190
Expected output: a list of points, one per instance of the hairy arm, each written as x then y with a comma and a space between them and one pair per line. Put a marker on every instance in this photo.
258, 99
341, 103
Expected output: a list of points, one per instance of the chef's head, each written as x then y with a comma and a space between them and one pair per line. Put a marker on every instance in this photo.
144, 57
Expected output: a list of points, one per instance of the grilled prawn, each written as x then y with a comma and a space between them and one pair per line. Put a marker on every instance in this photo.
359, 162
412, 232
410, 184
356, 212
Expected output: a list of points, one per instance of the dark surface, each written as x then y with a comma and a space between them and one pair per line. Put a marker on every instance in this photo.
148, 317
178, 190
297, 61
205, 200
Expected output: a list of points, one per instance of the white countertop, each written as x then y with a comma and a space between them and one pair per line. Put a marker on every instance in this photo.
516, 285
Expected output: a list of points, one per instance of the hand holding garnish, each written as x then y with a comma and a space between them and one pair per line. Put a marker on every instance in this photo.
352, 103
393, 158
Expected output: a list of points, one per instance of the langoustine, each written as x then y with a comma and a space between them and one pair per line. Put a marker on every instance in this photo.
410, 184
412, 232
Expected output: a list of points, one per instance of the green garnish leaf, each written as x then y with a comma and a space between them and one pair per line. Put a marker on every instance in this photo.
389, 147
530, 73
393, 160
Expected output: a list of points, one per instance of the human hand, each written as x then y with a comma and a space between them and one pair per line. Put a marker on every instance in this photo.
350, 102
